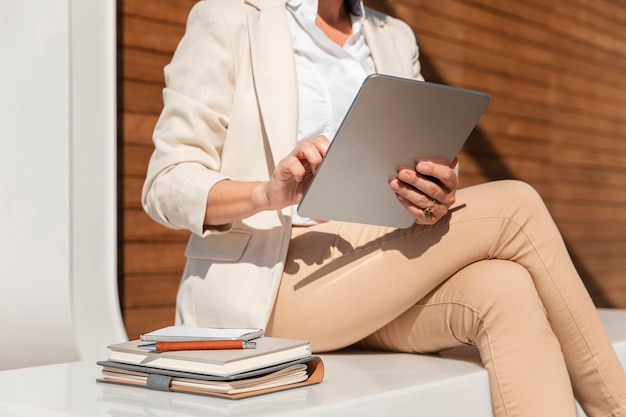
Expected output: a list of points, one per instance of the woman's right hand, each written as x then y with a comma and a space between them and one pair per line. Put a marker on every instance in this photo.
293, 173
231, 200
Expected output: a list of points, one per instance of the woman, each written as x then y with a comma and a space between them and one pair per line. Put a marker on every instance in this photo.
253, 91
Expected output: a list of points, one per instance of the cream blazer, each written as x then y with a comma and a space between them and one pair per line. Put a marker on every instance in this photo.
230, 111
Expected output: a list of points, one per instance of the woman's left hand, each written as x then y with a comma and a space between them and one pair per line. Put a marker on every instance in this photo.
427, 190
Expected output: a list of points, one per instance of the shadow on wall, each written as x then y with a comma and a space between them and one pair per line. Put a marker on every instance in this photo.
482, 149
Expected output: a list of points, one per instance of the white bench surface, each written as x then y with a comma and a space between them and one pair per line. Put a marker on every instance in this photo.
356, 383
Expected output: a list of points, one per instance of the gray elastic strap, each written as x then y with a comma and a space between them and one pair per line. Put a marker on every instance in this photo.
159, 382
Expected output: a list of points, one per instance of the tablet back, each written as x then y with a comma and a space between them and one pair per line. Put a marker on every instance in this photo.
392, 121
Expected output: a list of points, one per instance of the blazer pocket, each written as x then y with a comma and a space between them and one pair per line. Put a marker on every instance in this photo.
223, 247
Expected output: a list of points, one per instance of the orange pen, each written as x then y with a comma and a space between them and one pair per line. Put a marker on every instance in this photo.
202, 345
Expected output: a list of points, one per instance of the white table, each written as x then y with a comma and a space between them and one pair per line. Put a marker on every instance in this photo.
356, 383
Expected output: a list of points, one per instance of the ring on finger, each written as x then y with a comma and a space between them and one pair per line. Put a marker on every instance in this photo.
429, 210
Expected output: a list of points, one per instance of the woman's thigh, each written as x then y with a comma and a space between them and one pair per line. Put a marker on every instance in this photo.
342, 282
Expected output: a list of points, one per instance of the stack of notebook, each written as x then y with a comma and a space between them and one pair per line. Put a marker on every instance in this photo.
250, 363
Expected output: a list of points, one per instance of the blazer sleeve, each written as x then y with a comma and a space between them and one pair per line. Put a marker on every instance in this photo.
190, 132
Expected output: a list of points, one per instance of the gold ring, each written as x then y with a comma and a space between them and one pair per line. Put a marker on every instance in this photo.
428, 211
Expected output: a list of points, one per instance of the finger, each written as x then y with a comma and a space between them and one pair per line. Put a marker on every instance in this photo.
321, 144
415, 185
411, 195
312, 151
443, 173
419, 189
429, 215
291, 168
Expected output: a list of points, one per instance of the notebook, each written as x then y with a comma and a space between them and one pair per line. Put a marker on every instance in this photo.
185, 333
392, 121
269, 351
283, 376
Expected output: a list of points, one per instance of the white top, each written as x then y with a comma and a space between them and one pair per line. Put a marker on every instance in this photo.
329, 75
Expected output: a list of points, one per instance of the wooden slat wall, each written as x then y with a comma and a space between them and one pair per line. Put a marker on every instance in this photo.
557, 76
150, 256
556, 72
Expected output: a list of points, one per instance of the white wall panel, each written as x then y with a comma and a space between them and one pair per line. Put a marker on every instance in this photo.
57, 181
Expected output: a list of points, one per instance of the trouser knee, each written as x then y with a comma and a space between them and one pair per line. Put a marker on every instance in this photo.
500, 294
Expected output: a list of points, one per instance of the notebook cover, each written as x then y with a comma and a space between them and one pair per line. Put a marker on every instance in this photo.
315, 371
269, 351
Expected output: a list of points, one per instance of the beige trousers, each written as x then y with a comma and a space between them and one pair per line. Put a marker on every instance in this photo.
494, 273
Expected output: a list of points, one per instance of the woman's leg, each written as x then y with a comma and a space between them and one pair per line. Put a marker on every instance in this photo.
493, 305
343, 282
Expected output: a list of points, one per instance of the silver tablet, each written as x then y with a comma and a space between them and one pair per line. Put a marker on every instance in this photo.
392, 121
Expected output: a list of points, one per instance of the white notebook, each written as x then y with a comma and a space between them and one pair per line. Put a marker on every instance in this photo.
183, 333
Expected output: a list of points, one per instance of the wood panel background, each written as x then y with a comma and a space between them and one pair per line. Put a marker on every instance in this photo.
556, 72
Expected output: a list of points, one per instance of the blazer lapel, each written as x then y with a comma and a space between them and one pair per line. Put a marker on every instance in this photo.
274, 74
274, 71
382, 44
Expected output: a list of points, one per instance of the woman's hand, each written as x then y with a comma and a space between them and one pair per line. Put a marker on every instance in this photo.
231, 200
293, 173
427, 190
